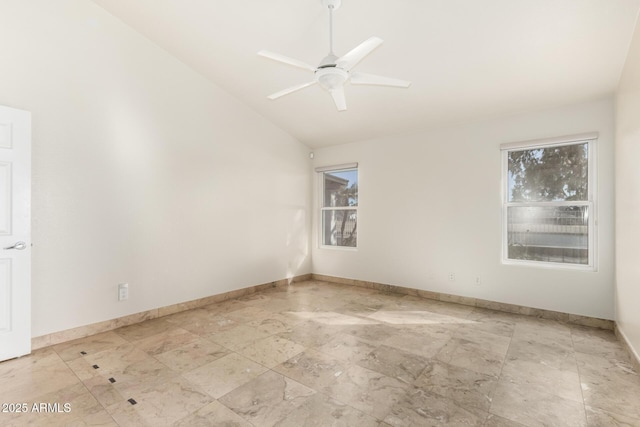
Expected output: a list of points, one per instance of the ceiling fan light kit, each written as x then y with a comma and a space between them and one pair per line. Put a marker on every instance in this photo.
333, 72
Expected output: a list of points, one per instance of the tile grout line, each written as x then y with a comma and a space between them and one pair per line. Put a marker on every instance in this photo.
515, 326
584, 403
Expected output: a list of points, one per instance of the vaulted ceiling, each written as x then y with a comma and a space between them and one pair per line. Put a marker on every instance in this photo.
467, 59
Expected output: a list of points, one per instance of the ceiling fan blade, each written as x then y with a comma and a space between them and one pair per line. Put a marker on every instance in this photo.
358, 53
358, 78
338, 98
290, 90
286, 60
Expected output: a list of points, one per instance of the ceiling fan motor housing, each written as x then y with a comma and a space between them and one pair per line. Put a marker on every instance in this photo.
331, 78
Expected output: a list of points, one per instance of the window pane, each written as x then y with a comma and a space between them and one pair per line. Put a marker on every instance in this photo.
341, 188
552, 234
339, 228
549, 174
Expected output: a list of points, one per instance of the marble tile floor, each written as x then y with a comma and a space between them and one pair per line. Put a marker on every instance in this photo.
318, 354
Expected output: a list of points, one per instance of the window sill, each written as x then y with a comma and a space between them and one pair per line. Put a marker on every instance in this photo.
550, 265
339, 248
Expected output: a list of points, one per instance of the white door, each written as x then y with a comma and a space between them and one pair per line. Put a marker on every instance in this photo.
15, 233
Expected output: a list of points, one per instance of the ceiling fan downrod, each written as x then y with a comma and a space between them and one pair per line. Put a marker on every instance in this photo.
331, 5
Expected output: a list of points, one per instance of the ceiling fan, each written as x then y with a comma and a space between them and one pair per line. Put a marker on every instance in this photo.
333, 72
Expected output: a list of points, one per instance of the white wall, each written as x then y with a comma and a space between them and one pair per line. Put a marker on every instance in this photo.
143, 172
628, 197
429, 204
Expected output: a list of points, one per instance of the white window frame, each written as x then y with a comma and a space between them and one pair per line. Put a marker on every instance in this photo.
321, 171
590, 139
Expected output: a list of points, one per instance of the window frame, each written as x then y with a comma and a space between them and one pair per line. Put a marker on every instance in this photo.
591, 202
323, 208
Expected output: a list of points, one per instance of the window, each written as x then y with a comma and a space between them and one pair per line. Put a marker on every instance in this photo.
548, 202
339, 207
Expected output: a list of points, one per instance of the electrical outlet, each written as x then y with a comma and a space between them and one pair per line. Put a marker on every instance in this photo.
452, 277
123, 291
477, 282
